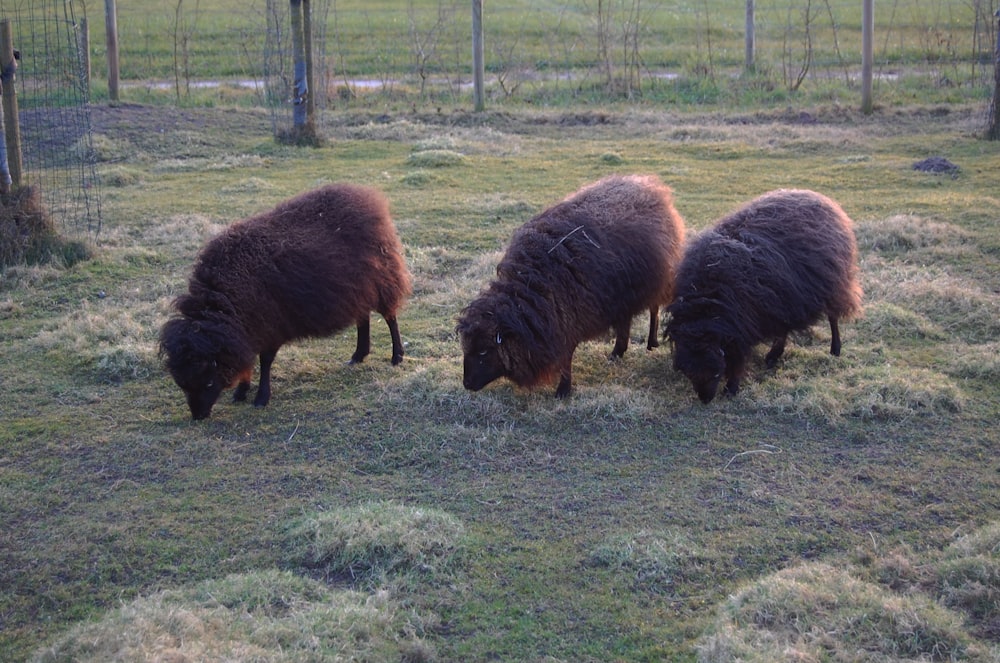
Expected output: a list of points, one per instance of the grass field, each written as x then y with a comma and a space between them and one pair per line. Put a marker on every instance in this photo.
837, 509
836, 506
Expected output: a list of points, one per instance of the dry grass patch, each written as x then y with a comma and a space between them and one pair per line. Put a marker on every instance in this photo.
819, 612
974, 361
366, 543
907, 233
265, 616
968, 579
891, 322
816, 385
116, 340
180, 234
248, 185
435, 159
959, 306
654, 560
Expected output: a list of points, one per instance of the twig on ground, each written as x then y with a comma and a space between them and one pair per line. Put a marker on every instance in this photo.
772, 450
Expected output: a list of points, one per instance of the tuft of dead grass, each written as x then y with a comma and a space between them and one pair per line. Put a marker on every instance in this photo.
879, 392
820, 612
263, 616
435, 159
117, 341
957, 305
655, 560
365, 543
28, 234
907, 233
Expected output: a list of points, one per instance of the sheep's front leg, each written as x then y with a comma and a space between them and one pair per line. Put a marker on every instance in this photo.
736, 364
264, 388
565, 377
243, 384
364, 341
622, 330
777, 349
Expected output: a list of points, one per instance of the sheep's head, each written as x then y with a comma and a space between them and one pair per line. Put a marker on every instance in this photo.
482, 362
703, 362
199, 362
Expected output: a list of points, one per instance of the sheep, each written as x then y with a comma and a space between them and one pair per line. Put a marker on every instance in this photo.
772, 267
315, 264
589, 263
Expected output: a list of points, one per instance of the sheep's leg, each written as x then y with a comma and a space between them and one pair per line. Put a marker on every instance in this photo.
243, 384
735, 367
777, 349
653, 340
565, 378
622, 330
397, 342
364, 341
835, 333
264, 388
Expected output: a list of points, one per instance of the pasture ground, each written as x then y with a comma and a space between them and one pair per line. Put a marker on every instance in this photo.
629, 522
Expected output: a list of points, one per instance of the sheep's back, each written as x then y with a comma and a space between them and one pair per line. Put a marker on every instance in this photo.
776, 264
314, 264
600, 256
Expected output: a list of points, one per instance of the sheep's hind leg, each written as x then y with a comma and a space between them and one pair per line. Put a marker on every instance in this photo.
397, 342
653, 340
364, 341
264, 388
835, 333
777, 349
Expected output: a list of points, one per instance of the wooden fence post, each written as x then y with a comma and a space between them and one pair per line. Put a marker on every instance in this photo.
12, 128
84, 44
300, 85
867, 54
111, 27
993, 125
478, 64
750, 38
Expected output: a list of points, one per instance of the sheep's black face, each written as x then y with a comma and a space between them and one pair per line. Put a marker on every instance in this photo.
201, 387
481, 364
703, 364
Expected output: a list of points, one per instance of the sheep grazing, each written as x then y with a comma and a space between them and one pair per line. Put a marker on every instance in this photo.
314, 265
587, 264
774, 266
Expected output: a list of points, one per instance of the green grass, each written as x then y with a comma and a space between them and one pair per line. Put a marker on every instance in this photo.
617, 525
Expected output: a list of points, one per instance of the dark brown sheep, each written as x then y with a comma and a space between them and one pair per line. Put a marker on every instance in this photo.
774, 266
315, 264
587, 264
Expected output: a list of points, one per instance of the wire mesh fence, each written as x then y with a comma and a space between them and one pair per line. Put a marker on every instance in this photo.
54, 118
588, 50
427, 45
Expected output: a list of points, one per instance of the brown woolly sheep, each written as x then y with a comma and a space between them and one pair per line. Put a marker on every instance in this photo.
582, 266
774, 266
313, 265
